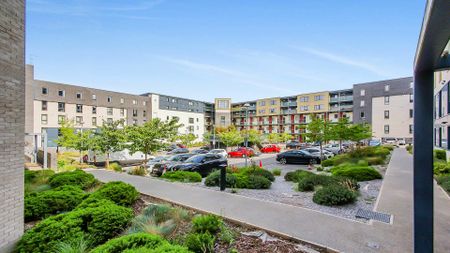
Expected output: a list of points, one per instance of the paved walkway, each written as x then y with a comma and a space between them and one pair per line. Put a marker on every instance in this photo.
309, 225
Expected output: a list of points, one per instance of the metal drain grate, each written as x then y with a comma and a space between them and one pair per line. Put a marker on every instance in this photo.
367, 214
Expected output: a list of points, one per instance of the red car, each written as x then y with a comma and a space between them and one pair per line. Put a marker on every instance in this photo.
271, 149
241, 152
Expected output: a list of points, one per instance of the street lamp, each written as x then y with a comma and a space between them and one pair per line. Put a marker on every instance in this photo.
245, 107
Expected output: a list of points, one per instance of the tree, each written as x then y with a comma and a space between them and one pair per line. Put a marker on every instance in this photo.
340, 131
318, 131
66, 135
187, 139
284, 137
359, 132
273, 138
253, 136
150, 137
82, 141
231, 137
111, 138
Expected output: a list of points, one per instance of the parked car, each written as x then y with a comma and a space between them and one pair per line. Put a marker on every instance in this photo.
271, 148
390, 141
334, 148
174, 146
401, 142
374, 143
203, 164
297, 156
199, 151
316, 152
156, 160
221, 152
241, 152
294, 145
158, 168
178, 151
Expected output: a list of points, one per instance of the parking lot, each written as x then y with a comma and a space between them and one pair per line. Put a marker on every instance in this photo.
268, 162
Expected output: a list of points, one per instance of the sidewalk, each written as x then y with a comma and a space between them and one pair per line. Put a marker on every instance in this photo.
309, 225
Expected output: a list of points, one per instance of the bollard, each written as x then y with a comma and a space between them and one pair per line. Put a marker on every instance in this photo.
223, 178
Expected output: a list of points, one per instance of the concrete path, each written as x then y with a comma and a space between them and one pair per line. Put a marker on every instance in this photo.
308, 225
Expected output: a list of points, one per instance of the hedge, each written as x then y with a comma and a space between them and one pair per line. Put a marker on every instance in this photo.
182, 176
357, 173
121, 193
440, 154
333, 195
310, 182
76, 177
297, 175
131, 241
256, 171
165, 248
42, 204
32, 176
213, 179
206, 223
99, 224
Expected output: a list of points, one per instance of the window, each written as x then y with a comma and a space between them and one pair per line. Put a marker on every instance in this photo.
44, 106
411, 85
134, 102
44, 91
304, 108
191, 129
363, 93
109, 120
386, 100
386, 114
262, 111
79, 95
61, 107
135, 122
386, 87
223, 104
44, 119
411, 129
362, 115
191, 103
109, 99
197, 119
262, 103
272, 110
176, 118
94, 109
79, 120
144, 103
174, 100
222, 120
167, 118
318, 97
61, 93
304, 99
109, 111
273, 102
122, 112
94, 97
191, 120
135, 112
79, 108
144, 113
362, 103
122, 100
61, 119
411, 113
94, 121
386, 129
411, 98
336, 115
318, 107
174, 108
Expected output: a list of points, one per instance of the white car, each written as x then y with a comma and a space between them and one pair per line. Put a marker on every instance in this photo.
221, 152
333, 148
316, 152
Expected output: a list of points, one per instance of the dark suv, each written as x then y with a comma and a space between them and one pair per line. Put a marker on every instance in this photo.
203, 164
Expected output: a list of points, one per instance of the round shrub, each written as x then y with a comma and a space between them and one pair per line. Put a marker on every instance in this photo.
42, 204
116, 167
441, 168
165, 248
363, 162
213, 179
32, 176
276, 172
99, 224
183, 176
440, 154
358, 173
443, 178
258, 172
297, 175
374, 161
118, 192
76, 177
349, 183
446, 186
138, 171
334, 195
206, 223
93, 202
310, 182
200, 242
327, 163
257, 182
131, 241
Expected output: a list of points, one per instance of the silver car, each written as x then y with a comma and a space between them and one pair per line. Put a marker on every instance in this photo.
221, 152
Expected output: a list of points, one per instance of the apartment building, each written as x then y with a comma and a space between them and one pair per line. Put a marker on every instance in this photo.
386, 105
441, 109
222, 112
341, 105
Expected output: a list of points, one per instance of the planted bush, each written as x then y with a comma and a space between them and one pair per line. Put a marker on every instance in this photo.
334, 195
131, 241
256, 171
276, 172
164, 248
206, 223
327, 162
121, 193
257, 182
138, 171
76, 177
440, 154
213, 179
443, 178
183, 176
446, 186
297, 175
200, 242
99, 224
358, 173
42, 204
31, 176
441, 168
116, 167
310, 182
374, 161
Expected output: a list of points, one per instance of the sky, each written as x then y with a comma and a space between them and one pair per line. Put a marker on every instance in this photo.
203, 49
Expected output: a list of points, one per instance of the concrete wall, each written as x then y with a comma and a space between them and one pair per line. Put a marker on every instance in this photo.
12, 121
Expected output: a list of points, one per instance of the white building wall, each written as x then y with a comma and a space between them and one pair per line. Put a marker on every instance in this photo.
399, 117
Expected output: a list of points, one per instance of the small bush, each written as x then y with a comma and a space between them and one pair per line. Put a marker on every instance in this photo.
441, 168
446, 186
75, 245
310, 182
99, 224
213, 179
121, 193
77, 178
131, 241
297, 175
256, 171
443, 178
138, 171
276, 172
257, 182
409, 148
41, 176
320, 168
327, 162
358, 173
164, 248
334, 195
182, 176
374, 161
42, 204
440, 154
200, 242
362, 163
116, 167
206, 223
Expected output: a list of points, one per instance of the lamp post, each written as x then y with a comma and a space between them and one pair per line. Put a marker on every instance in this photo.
245, 107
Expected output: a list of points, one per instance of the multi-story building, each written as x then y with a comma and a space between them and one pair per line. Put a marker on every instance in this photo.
441, 109
387, 106
341, 105
222, 112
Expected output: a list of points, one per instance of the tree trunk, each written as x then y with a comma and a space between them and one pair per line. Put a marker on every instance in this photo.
81, 156
107, 160
145, 159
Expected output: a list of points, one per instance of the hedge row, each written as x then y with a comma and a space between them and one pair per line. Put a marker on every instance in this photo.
249, 179
182, 176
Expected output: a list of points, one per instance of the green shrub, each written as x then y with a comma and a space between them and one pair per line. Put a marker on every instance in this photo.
138, 171
349, 183
182, 176
362, 163
440, 154
121, 193
310, 182
75, 245
206, 223
441, 168
327, 162
257, 182
374, 161
165, 248
256, 171
131, 241
41, 176
92, 202
443, 178
200, 242
340, 159
99, 224
358, 173
213, 179
61, 199
409, 148
76, 177
241, 181
116, 167
446, 186
334, 195
320, 168
389, 147
276, 172
297, 175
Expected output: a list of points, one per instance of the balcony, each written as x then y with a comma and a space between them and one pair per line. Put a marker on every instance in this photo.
289, 104
341, 99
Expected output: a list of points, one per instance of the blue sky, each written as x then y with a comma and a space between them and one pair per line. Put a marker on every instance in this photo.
202, 49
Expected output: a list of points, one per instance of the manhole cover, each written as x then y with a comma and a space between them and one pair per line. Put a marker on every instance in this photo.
371, 215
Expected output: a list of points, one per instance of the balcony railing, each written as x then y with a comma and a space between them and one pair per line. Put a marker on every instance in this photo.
287, 104
341, 99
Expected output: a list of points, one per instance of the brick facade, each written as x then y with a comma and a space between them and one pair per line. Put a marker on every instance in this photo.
12, 121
